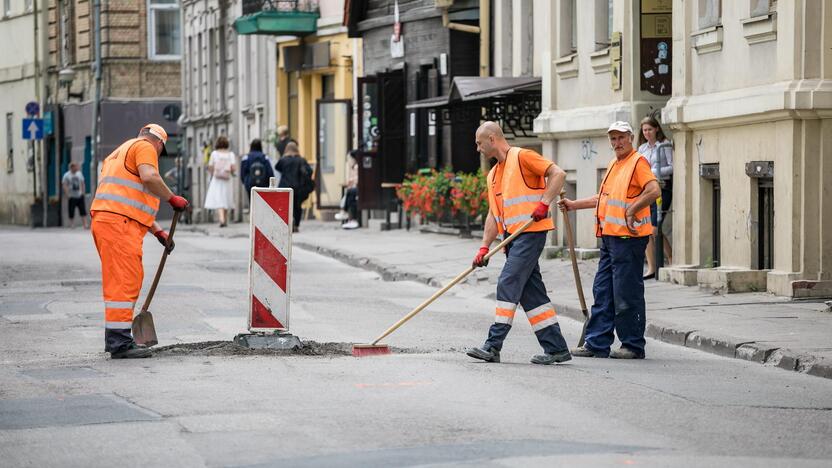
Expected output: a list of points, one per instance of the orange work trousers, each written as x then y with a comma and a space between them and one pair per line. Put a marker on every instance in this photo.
119, 243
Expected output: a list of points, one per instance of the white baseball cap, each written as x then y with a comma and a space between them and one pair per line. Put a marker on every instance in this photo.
620, 126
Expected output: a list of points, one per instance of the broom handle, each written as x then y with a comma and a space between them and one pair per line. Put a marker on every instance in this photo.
453, 282
161, 263
575, 272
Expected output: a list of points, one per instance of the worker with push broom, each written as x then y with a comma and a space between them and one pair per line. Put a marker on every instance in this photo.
521, 188
123, 211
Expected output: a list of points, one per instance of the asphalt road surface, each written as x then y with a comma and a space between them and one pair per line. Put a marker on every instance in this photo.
64, 403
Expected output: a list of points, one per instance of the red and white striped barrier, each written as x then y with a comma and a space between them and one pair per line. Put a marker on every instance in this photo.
270, 259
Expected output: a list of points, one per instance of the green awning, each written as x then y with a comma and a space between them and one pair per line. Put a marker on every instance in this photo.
278, 23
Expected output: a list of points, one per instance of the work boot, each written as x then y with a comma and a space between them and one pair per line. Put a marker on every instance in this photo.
134, 351
583, 351
546, 358
487, 354
625, 353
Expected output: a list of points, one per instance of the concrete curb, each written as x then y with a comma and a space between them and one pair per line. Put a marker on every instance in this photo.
722, 345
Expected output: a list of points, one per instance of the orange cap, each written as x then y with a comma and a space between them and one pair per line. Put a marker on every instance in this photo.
160, 133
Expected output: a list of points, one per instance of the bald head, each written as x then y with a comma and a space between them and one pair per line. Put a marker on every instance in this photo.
489, 128
491, 142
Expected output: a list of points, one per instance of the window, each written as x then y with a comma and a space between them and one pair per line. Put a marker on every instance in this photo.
164, 35
573, 26
603, 23
7, 7
710, 13
762, 7
9, 142
28, 5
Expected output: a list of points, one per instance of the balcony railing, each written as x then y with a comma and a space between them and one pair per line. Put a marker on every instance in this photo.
256, 6
278, 17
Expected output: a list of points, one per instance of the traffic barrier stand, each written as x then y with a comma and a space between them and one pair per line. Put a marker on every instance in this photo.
269, 270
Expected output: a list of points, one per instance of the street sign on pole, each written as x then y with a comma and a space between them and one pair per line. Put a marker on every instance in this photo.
32, 108
32, 129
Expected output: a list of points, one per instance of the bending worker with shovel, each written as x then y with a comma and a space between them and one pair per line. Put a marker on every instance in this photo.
520, 188
123, 211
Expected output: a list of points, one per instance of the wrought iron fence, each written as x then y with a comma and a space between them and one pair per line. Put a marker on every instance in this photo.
256, 6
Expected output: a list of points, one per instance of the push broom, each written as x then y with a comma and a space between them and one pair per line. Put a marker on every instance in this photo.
375, 349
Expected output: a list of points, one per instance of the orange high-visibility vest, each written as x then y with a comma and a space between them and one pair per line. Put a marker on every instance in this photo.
512, 198
610, 213
120, 191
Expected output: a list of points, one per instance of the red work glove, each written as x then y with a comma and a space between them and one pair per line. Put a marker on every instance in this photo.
178, 203
163, 239
480, 260
541, 212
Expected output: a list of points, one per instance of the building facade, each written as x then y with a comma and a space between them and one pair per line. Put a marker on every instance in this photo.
229, 80
20, 82
751, 115
602, 61
137, 81
315, 100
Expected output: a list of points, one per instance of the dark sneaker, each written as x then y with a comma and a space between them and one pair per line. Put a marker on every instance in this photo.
546, 358
625, 353
583, 351
134, 351
487, 355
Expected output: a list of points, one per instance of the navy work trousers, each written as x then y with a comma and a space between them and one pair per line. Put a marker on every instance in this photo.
520, 283
619, 296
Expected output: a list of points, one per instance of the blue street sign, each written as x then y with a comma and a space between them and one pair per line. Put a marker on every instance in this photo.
32, 129
32, 108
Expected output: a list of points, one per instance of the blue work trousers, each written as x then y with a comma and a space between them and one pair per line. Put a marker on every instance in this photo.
619, 296
520, 283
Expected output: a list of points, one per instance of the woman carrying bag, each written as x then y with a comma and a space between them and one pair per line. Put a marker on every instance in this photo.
222, 167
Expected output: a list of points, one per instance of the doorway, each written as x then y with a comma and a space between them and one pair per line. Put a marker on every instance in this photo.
334, 131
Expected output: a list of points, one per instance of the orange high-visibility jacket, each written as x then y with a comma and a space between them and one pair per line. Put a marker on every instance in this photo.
121, 191
613, 201
513, 196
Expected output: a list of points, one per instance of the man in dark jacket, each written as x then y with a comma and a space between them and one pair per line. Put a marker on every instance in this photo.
255, 167
283, 139
295, 173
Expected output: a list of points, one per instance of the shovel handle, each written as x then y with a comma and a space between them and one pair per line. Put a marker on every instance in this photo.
448, 286
165, 252
568, 227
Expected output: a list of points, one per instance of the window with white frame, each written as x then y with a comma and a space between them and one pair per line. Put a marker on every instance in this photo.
163, 29
568, 34
573, 25
710, 13
762, 7
603, 23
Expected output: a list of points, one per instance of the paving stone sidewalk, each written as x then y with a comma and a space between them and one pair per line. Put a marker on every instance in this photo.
793, 335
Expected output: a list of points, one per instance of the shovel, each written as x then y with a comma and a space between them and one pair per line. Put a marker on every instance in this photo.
144, 332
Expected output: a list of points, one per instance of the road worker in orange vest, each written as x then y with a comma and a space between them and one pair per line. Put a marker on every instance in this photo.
521, 186
622, 221
123, 211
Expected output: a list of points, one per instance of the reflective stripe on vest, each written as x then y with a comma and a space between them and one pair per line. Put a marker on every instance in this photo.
613, 202
120, 191
511, 201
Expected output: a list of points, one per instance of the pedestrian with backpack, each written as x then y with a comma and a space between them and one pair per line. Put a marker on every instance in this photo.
255, 167
297, 174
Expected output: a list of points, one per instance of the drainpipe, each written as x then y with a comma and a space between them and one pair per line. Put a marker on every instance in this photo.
96, 96
485, 37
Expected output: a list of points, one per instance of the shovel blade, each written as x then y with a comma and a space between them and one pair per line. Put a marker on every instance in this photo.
144, 332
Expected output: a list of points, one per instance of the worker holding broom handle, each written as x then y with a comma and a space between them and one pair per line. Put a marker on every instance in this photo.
123, 211
622, 221
521, 186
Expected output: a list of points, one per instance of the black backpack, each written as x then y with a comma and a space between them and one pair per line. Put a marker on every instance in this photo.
257, 174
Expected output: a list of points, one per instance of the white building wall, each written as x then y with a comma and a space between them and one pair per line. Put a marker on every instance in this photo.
17, 87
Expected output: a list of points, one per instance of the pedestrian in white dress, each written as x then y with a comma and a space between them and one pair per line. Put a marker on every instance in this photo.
222, 167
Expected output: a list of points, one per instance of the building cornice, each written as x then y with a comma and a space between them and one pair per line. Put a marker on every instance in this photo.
579, 122
788, 100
